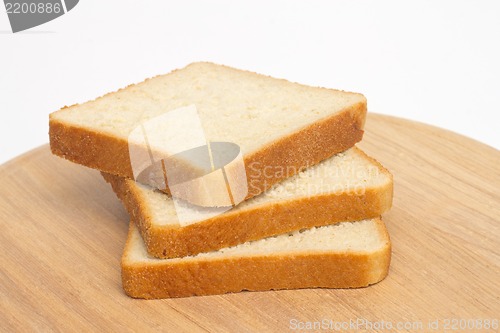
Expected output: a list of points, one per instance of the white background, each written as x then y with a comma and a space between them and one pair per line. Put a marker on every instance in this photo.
432, 61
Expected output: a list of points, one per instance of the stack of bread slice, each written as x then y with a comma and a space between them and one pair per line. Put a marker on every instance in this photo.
310, 216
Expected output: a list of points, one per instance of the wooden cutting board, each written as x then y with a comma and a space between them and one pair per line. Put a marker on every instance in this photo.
63, 230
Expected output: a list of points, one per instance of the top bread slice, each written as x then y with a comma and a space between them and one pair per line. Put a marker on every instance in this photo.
346, 187
275, 123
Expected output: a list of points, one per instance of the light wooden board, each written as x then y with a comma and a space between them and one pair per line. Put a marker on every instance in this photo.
63, 230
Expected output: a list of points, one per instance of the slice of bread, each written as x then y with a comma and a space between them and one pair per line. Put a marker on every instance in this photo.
346, 187
275, 123
344, 255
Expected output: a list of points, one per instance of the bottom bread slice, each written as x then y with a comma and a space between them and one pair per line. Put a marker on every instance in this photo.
344, 255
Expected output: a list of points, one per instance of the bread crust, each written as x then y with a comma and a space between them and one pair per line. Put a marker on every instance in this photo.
303, 148
165, 279
258, 222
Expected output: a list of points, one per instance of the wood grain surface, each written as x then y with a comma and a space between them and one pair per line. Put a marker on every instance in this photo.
63, 231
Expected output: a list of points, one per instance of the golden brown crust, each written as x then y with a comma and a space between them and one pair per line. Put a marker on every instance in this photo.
92, 149
265, 220
299, 150
306, 147
164, 279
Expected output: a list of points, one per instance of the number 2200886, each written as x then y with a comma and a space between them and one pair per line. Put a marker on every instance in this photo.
32, 8
469, 324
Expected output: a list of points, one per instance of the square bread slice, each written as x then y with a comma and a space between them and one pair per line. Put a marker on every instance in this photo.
346, 187
344, 255
274, 122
